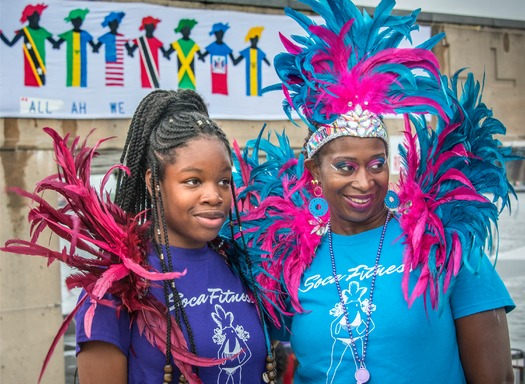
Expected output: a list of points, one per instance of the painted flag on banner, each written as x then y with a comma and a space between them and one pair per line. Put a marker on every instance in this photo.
35, 56
114, 44
76, 57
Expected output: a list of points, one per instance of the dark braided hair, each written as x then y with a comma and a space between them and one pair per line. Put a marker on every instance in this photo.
163, 122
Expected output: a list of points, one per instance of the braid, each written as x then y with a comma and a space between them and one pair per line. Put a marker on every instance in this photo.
131, 193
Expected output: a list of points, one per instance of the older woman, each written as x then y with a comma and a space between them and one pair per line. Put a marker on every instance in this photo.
381, 287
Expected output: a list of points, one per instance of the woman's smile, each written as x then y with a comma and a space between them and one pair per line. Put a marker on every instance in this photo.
360, 204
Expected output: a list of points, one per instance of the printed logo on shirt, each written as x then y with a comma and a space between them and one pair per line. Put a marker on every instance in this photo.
231, 339
357, 308
360, 272
213, 296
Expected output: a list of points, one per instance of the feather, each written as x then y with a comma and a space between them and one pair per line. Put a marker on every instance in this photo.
62, 330
355, 59
274, 223
115, 244
448, 174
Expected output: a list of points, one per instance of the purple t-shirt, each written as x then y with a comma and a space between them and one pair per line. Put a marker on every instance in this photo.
223, 319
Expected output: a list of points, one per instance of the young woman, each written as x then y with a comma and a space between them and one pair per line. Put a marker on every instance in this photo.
161, 299
382, 288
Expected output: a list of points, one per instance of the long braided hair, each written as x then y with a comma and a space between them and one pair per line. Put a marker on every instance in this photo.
163, 122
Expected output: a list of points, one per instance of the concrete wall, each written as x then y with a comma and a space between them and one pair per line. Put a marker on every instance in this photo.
30, 292
499, 54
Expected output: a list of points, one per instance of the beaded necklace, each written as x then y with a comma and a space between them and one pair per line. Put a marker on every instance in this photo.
362, 375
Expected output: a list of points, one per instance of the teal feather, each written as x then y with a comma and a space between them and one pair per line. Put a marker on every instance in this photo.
458, 166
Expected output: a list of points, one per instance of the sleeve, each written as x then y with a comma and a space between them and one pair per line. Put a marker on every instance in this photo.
103, 39
46, 33
157, 43
483, 291
108, 325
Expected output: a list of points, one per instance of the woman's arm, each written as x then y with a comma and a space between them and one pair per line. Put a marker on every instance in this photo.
484, 347
102, 363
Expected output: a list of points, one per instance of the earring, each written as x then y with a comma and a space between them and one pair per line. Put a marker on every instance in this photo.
318, 205
391, 200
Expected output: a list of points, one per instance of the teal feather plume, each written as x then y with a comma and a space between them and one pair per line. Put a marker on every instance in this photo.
454, 178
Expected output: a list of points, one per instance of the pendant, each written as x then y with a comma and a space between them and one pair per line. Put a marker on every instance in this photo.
362, 375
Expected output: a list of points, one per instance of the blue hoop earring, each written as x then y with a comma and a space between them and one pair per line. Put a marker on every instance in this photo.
318, 206
391, 200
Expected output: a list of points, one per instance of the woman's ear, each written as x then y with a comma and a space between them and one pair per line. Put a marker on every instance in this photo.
147, 179
313, 167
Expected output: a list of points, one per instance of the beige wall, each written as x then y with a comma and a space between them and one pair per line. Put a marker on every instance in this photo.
30, 292
499, 54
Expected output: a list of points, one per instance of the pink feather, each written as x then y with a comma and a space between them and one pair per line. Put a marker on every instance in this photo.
92, 223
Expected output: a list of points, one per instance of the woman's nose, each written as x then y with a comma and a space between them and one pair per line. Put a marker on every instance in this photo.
362, 179
212, 196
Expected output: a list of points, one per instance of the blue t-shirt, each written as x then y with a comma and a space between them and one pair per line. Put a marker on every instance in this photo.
405, 345
223, 319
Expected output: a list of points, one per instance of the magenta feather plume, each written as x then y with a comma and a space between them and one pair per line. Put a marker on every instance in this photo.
353, 59
115, 243
280, 232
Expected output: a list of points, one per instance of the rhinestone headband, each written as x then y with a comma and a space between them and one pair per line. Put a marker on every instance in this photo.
356, 123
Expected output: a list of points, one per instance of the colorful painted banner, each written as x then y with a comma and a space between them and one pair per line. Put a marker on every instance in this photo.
86, 60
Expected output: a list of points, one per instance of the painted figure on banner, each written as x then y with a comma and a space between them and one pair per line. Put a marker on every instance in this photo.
114, 43
77, 41
34, 47
186, 49
149, 47
254, 58
219, 52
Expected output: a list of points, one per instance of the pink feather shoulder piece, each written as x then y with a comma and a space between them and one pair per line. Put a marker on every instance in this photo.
115, 245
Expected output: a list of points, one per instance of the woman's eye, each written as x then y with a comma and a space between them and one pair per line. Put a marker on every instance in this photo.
225, 182
192, 182
377, 165
344, 167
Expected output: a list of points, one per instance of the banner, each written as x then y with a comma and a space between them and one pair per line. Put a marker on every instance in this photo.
89, 60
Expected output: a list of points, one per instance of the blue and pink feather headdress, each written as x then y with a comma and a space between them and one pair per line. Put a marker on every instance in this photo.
342, 76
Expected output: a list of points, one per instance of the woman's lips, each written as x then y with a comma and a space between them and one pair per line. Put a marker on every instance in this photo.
360, 203
210, 219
